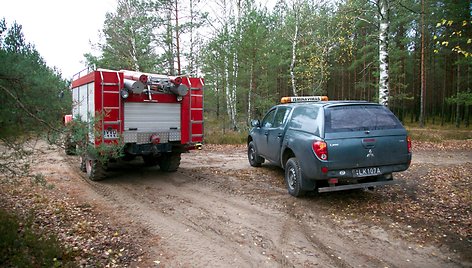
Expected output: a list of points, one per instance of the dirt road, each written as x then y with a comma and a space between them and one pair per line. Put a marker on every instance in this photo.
217, 211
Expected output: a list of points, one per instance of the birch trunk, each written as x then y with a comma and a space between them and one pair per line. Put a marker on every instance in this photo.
249, 95
383, 52
294, 55
234, 124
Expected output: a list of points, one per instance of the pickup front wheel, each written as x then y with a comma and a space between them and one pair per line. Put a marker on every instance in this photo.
254, 159
293, 177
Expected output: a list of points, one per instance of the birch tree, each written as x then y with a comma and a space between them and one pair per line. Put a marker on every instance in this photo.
384, 9
128, 38
296, 13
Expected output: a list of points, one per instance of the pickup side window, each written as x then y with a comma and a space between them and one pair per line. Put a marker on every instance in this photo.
359, 118
281, 116
268, 120
306, 119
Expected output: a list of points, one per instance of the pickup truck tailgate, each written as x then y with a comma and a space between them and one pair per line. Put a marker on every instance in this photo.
367, 149
363, 135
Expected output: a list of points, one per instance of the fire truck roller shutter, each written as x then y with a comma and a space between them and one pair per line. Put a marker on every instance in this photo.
145, 119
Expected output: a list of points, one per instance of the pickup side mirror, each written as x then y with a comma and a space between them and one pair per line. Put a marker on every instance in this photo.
255, 123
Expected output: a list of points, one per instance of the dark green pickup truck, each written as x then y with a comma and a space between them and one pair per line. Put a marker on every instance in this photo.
330, 145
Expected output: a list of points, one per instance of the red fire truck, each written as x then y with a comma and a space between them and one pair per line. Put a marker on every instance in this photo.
157, 117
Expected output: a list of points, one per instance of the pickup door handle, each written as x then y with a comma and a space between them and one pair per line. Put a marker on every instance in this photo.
266, 133
279, 135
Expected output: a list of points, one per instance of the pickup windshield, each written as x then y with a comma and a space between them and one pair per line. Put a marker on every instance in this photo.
359, 118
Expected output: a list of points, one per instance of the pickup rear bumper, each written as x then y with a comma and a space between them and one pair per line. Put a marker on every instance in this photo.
355, 186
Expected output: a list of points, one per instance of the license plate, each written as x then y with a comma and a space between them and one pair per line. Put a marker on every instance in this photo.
110, 134
365, 172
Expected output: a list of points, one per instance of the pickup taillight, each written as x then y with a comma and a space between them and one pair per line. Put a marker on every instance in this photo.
408, 142
320, 149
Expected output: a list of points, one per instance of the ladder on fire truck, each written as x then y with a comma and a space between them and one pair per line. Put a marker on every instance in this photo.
196, 110
110, 91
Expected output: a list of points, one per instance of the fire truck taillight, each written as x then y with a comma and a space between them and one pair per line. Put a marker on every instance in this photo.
320, 149
155, 139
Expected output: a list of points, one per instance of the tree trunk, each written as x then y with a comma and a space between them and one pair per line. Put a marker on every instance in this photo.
294, 57
170, 44
177, 36
458, 87
249, 94
423, 71
383, 51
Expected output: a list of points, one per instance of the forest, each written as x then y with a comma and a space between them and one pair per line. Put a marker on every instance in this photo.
413, 55
416, 53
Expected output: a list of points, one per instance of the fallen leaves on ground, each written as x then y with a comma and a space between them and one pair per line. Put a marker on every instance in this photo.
78, 227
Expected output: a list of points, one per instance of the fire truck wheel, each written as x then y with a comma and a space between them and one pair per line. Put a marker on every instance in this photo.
95, 169
150, 160
69, 146
170, 162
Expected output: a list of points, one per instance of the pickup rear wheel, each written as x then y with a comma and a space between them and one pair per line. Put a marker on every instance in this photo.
293, 177
254, 159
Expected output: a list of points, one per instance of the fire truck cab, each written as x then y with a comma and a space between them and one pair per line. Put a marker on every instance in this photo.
129, 114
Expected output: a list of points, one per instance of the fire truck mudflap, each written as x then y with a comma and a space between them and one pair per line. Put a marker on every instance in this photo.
129, 114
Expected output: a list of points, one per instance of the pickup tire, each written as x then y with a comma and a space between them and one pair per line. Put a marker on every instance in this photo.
293, 177
254, 159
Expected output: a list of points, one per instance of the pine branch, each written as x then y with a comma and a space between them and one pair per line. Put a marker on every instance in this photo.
23, 107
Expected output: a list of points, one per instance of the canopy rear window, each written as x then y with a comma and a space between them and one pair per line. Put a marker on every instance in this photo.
359, 118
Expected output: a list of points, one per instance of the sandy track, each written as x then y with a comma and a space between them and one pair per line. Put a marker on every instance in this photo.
224, 213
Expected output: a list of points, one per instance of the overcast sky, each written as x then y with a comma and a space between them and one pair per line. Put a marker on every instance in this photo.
61, 30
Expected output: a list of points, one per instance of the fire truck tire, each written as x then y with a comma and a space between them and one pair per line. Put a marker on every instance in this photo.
150, 160
70, 146
170, 162
96, 171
